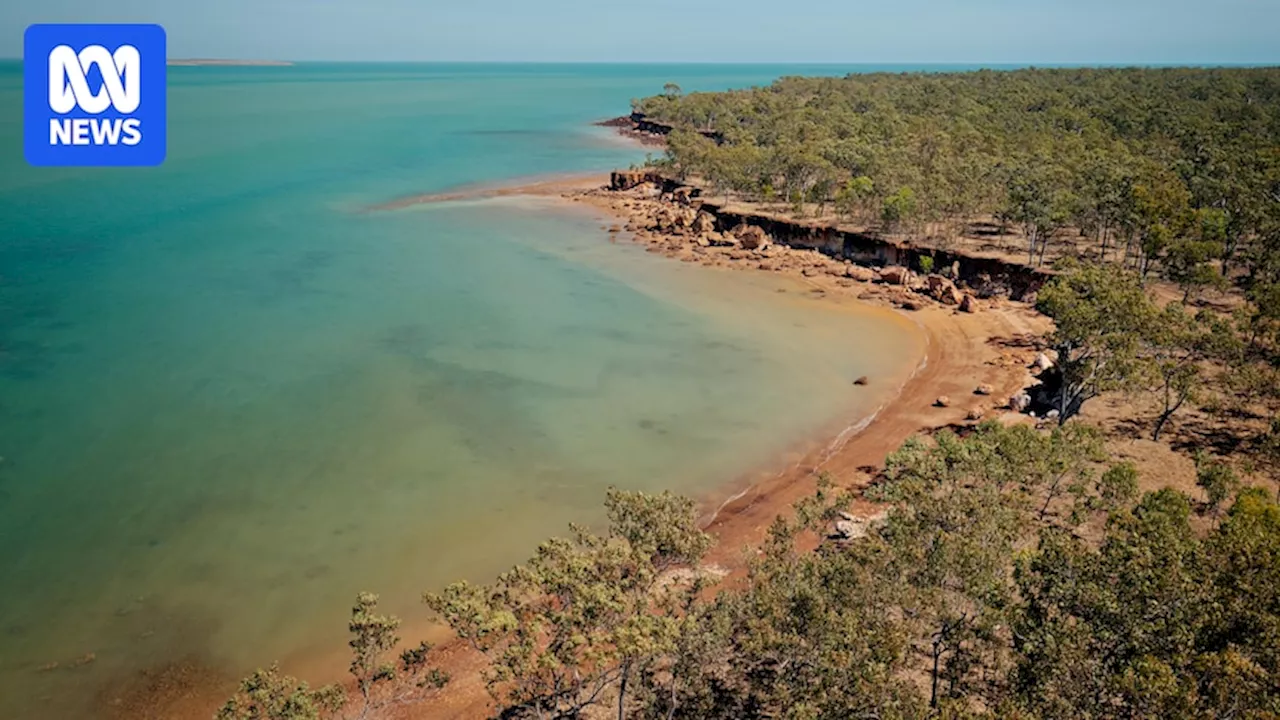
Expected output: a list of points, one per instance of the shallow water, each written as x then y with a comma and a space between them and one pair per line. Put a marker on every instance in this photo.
230, 398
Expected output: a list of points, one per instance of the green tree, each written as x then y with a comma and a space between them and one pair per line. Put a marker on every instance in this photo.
1108, 633
1176, 344
1100, 315
585, 614
268, 695
1218, 481
1037, 203
380, 681
898, 208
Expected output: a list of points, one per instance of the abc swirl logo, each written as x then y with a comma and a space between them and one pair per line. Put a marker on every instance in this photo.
95, 95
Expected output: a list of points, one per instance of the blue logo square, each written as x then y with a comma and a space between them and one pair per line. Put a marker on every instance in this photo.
94, 95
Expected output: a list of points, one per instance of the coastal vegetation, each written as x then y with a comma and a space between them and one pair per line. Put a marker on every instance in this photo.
1016, 568
1171, 171
1015, 573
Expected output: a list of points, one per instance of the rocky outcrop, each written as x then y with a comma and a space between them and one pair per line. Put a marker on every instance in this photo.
628, 179
675, 219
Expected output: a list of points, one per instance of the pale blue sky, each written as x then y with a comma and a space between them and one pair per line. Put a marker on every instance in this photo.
838, 31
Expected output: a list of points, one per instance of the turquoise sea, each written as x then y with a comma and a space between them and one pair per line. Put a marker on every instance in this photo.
231, 396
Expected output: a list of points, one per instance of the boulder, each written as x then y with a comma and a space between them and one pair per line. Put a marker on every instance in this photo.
849, 530
975, 413
850, 527
682, 195
722, 240
704, 222
943, 290
984, 389
942, 401
1020, 402
895, 275
968, 304
1042, 362
861, 381
859, 273
751, 237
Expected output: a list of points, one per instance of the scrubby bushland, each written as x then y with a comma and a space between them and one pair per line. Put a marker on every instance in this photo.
1177, 169
1015, 574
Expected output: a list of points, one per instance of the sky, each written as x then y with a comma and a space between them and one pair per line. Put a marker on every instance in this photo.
764, 31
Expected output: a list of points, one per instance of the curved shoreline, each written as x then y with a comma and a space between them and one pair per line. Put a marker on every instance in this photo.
958, 353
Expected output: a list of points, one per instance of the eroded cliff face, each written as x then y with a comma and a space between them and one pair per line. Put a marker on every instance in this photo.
680, 210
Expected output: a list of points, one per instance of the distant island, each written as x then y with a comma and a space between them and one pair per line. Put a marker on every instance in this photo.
223, 62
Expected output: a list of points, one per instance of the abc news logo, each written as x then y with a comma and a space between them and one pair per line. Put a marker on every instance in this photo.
69, 89
94, 95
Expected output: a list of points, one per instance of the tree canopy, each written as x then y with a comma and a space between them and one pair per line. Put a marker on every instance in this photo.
1175, 166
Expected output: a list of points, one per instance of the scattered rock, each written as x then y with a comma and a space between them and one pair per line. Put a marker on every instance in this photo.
983, 389
942, 401
861, 381
1020, 402
895, 275
810, 272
